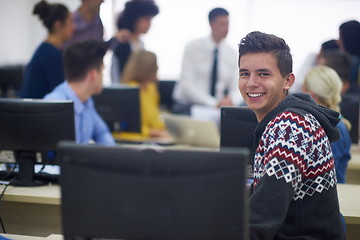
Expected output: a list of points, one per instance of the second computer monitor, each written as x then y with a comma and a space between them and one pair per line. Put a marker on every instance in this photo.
32, 126
237, 128
128, 193
119, 106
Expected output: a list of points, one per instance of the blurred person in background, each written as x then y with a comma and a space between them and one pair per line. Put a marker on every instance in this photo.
325, 86
45, 70
136, 19
141, 71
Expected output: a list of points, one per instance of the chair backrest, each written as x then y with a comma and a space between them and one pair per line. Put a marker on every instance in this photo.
166, 88
237, 127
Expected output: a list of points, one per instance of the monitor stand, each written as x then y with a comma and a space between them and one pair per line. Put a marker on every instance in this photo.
26, 175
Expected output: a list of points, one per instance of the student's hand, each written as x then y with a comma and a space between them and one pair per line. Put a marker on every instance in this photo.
123, 35
159, 133
225, 102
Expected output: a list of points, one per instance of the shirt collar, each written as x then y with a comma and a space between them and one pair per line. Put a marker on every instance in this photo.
213, 44
79, 106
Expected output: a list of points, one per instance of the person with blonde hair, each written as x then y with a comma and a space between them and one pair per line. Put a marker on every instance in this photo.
325, 86
141, 71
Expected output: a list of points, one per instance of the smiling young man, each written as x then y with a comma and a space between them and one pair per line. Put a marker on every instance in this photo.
294, 192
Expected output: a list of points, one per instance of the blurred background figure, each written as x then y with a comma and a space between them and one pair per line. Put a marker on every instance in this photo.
141, 71
340, 61
349, 41
136, 19
45, 69
88, 25
325, 86
209, 69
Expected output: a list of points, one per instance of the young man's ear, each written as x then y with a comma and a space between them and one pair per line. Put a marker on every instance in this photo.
93, 73
290, 79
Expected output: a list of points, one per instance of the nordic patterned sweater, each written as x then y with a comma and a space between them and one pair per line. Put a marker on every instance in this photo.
294, 192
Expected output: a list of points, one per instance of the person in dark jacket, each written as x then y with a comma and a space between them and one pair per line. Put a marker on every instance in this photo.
46, 70
136, 19
294, 194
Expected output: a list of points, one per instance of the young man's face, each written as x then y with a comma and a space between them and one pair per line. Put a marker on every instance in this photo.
261, 84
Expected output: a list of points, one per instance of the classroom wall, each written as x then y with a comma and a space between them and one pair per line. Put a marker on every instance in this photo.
304, 24
21, 31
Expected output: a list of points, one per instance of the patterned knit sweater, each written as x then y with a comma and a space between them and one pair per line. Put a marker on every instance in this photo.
294, 193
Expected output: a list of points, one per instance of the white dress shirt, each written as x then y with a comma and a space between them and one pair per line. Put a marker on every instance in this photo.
193, 86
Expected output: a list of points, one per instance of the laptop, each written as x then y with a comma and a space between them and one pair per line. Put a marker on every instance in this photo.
188, 131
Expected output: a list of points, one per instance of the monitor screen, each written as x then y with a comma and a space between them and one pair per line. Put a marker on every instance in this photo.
30, 126
131, 193
119, 106
237, 127
166, 88
349, 108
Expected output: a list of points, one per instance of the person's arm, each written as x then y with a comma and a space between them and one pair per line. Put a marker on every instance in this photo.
191, 91
341, 152
121, 36
275, 186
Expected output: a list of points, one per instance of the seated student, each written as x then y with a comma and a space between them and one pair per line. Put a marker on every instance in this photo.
324, 85
141, 71
84, 72
45, 70
294, 194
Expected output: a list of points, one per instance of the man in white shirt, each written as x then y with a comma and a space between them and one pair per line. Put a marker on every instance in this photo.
199, 68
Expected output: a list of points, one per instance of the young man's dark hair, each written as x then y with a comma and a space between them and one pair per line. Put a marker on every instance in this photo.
256, 42
80, 57
214, 13
134, 10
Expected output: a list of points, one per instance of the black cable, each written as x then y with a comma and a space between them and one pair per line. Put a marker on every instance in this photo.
3, 192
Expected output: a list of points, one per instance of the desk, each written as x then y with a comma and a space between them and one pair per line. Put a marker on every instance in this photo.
353, 171
31, 210
349, 198
36, 210
23, 237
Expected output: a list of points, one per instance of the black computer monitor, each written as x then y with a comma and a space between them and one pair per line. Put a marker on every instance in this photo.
349, 108
119, 106
29, 127
166, 89
128, 193
237, 127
